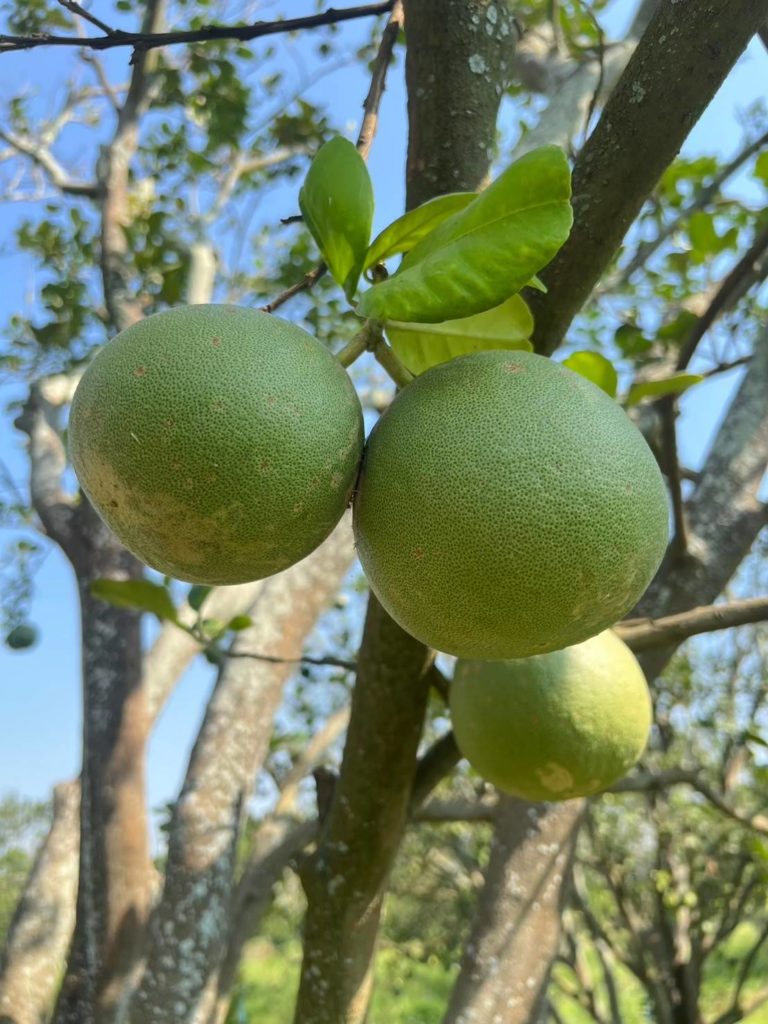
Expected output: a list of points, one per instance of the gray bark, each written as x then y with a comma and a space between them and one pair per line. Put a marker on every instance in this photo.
39, 934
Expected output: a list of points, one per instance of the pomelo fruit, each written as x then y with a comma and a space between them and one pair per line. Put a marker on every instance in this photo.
507, 507
555, 726
220, 444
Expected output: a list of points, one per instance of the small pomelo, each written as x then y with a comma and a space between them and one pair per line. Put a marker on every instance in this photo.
220, 444
555, 726
508, 507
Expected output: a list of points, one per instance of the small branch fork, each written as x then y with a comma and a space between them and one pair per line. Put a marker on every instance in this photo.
153, 40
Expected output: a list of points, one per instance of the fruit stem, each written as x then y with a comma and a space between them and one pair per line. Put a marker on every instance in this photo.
387, 358
359, 343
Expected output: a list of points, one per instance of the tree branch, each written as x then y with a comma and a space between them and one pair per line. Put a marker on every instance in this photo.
678, 66
645, 782
150, 39
751, 268
701, 199
641, 634
48, 461
41, 155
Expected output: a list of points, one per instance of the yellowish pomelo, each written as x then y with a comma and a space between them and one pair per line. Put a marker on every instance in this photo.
508, 507
555, 726
220, 444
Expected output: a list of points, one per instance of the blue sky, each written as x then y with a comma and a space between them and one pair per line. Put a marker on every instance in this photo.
39, 690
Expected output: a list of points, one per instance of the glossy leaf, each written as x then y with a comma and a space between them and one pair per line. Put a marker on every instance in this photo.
420, 346
674, 385
480, 256
405, 232
140, 594
336, 202
594, 367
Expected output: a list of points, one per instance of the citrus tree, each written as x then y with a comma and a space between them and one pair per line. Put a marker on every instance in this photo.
505, 506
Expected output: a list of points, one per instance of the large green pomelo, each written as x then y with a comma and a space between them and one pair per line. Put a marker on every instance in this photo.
508, 507
220, 444
555, 726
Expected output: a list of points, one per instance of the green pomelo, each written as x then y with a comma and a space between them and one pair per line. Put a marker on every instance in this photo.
555, 726
220, 444
508, 507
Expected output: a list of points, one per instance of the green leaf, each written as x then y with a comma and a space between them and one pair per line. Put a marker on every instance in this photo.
337, 205
197, 594
141, 594
240, 622
481, 255
403, 233
420, 346
674, 385
594, 367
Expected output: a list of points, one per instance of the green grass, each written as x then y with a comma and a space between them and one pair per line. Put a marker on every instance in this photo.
407, 991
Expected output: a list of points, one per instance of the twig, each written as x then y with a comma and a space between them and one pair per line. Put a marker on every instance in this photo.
751, 268
367, 129
644, 783
153, 40
725, 367
601, 64
441, 758
75, 8
667, 414
378, 80
351, 666
641, 634
700, 200
307, 282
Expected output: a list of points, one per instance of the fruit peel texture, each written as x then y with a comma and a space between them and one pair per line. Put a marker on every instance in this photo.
220, 444
556, 726
508, 507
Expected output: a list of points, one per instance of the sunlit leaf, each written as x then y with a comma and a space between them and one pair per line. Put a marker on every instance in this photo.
420, 346
404, 233
480, 256
594, 367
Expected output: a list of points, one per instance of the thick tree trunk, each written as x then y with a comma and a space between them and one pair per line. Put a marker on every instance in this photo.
41, 929
194, 915
507, 961
115, 870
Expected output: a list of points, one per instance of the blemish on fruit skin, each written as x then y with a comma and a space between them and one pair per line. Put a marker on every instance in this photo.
265, 465
418, 553
140, 371
216, 342
513, 368
555, 778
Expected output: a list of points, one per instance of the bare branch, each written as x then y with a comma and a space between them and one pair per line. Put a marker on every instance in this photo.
305, 284
378, 80
640, 634
440, 759
48, 461
646, 782
610, 183
667, 412
75, 8
327, 734
42, 157
149, 39
701, 199
439, 811
750, 269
